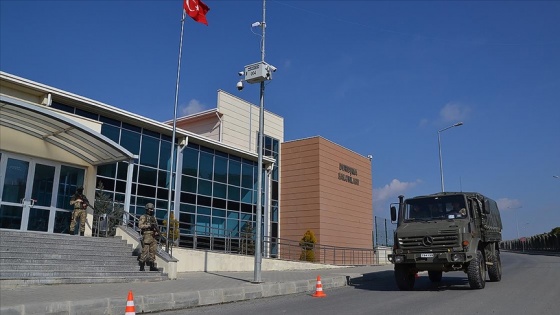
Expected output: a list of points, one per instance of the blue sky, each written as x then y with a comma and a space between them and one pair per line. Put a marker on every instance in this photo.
377, 77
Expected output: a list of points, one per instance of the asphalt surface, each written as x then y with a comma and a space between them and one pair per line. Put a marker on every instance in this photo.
190, 289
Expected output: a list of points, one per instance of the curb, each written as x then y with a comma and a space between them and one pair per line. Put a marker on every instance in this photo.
174, 301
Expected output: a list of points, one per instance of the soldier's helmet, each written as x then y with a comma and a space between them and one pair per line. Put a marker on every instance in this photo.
80, 189
150, 208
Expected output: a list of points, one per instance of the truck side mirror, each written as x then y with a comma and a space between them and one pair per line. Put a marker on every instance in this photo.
393, 214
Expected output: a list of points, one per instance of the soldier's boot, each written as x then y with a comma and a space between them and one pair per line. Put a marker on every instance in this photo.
71, 232
141, 266
81, 233
153, 266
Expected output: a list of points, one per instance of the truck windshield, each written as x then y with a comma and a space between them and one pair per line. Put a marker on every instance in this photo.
448, 207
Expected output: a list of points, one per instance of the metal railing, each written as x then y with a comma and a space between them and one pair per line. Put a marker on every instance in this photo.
104, 225
206, 237
212, 238
318, 253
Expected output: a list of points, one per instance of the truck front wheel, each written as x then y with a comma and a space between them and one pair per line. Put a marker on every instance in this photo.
477, 272
404, 277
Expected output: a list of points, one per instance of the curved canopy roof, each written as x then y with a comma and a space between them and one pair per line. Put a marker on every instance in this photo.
58, 130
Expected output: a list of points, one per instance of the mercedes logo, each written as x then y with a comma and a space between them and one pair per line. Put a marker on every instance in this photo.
428, 241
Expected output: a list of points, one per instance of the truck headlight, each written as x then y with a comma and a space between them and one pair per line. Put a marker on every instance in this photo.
457, 257
398, 259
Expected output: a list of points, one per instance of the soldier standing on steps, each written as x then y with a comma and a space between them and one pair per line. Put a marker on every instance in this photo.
80, 203
149, 227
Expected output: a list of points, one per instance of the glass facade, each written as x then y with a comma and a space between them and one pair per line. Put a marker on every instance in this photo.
217, 190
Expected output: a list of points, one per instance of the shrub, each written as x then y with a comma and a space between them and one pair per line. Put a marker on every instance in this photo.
307, 244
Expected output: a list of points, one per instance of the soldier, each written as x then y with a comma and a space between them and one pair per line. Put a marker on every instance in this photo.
80, 203
149, 227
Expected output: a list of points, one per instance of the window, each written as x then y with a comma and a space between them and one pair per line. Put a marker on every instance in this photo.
131, 141
150, 150
206, 165
190, 162
220, 169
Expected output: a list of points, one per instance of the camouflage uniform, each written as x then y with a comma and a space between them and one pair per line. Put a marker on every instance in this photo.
148, 225
80, 203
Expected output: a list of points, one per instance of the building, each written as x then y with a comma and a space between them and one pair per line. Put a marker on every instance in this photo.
326, 188
52, 141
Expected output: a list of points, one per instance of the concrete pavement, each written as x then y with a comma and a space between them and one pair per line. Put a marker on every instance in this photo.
190, 289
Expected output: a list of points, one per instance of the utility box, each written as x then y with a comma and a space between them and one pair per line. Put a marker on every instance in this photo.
257, 72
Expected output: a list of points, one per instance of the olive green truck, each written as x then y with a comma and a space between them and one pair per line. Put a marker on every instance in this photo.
448, 231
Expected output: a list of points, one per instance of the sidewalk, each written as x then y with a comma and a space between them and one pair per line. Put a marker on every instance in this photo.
189, 290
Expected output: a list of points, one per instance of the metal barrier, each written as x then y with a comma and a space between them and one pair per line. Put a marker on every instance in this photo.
543, 242
383, 232
206, 237
325, 254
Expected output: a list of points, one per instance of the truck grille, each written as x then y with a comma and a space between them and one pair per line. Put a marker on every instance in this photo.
433, 242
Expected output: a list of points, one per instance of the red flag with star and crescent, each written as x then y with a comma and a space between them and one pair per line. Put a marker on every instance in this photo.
197, 10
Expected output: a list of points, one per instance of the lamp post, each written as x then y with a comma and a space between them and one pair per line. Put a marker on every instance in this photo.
516, 219
258, 73
439, 148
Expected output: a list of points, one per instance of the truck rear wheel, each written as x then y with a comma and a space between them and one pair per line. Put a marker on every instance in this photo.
435, 276
477, 272
404, 277
495, 270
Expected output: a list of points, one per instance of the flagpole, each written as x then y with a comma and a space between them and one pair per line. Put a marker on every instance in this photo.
171, 167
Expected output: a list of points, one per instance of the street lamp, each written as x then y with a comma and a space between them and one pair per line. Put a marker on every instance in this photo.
258, 72
439, 147
516, 219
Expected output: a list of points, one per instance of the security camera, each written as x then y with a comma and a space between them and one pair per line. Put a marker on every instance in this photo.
272, 68
370, 157
240, 73
240, 85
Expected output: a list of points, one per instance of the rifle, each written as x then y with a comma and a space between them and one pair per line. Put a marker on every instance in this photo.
153, 227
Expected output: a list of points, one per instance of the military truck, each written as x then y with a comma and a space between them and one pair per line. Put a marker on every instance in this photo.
443, 232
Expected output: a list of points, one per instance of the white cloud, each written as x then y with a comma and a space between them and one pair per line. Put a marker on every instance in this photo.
453, 112
194, 106
508, 204
391, 190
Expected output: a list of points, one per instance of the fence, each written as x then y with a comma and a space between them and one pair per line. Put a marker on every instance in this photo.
326, 254
206, 237
543, 242
383, 232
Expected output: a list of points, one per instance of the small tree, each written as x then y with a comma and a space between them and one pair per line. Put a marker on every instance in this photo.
247, 239
106, 213
173, 233
307, 244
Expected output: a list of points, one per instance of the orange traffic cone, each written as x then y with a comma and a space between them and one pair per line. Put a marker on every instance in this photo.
129, 310
319, 289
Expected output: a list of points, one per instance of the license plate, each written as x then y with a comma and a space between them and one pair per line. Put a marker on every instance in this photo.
430, 255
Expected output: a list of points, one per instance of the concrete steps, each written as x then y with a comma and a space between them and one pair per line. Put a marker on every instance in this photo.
34, 258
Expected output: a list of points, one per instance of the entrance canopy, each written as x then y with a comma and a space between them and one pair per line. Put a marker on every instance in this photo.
61, 131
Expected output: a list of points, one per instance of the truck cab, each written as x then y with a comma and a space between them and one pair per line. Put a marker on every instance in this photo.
444, 232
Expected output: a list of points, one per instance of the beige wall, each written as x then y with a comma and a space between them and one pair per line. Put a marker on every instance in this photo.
316, 194
207, 125
241, 122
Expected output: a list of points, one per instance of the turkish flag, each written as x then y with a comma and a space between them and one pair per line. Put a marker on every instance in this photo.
197, 10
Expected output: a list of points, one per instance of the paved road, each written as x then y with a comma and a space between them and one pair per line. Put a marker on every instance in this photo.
530, 285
